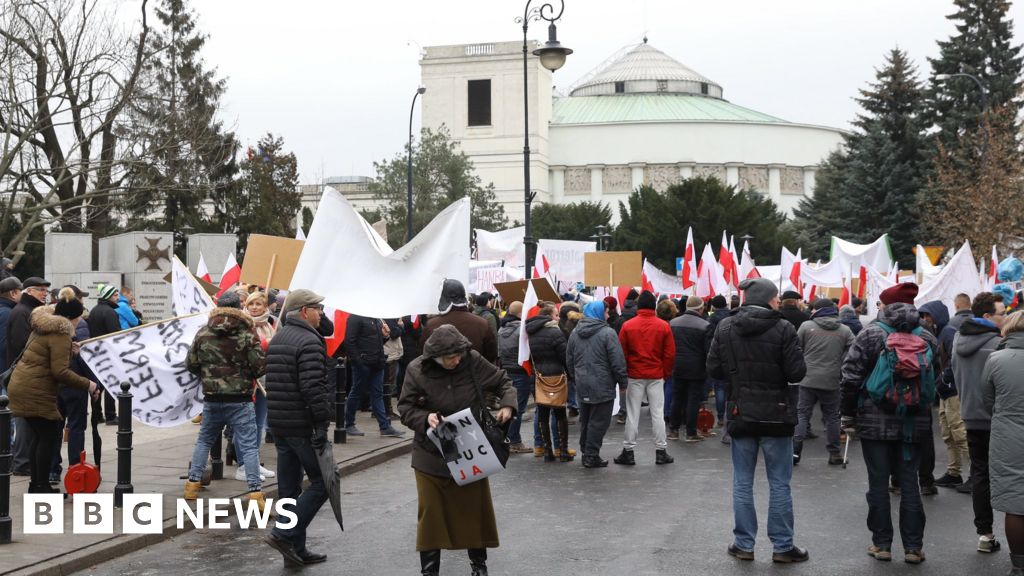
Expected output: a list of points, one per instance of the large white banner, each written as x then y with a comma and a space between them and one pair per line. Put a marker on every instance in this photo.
346, 262
876, 255
958, 275
476, 459
663, 283
187, 295
828, 275
151, 358
506, 245
566, 258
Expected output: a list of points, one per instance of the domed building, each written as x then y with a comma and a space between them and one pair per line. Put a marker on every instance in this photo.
640, 118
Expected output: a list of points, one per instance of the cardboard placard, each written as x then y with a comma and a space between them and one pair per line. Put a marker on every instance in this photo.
612, 268
516, 291
270, 261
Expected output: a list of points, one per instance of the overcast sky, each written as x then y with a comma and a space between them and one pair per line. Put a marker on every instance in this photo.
335, 79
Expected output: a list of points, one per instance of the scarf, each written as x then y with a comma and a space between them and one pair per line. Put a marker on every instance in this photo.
264, 329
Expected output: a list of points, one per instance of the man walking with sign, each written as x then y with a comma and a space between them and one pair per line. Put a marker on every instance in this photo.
298, 411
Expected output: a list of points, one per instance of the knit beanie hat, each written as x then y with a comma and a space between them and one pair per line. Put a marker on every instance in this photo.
67, 305
695, 302
759, 291
611, 303
646, 301
106, 291
229, 299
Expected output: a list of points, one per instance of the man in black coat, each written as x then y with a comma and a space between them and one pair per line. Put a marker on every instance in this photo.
364, 345
757, 350
103, 320
298, 412
692, 335
791, 309
19, 329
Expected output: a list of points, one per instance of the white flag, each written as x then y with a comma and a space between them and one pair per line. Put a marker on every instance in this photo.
529, 303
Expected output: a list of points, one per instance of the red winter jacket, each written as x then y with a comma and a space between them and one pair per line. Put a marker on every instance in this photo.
648, 345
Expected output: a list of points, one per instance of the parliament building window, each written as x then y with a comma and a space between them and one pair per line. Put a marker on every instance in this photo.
479, 102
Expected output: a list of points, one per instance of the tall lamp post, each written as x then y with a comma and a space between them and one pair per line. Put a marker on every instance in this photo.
408, 179
981, 89
552, 56
602, 238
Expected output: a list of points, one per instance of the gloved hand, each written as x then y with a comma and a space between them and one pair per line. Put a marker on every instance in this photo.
319, 438
848, 424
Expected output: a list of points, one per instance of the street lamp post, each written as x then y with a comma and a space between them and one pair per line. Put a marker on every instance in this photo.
981, 86
552, 56
601, 237
408, 179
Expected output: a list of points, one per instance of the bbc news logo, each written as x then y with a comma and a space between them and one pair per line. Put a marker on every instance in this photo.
144, 513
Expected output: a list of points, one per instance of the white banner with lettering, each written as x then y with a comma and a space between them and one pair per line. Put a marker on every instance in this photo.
476, 459
566, 258
187, 295
483, 275
151, 358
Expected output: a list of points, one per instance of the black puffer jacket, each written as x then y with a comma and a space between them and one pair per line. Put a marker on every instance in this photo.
364, 342
873, 423
19, 326
547, 345
693, 336
103, 319
757, 352
794, 315
298, 393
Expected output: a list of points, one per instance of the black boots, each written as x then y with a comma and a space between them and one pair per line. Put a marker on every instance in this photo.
563, 441
594, 462
478, 561
662, 457
430, 563
545, 434
626, 458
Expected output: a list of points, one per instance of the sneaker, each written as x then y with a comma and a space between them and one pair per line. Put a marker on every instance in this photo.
741, 554
621, 418
519, 448
240, 474
794, 554
988, 544
929, 490
949, 481
913, 557
672, 435
691, 439
390, 432
266, 472
353, 431
883, 554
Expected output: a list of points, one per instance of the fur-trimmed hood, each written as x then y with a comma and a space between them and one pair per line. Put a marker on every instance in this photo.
44, 321
229, 320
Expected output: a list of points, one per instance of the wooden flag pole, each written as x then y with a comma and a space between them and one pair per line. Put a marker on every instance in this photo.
270, 273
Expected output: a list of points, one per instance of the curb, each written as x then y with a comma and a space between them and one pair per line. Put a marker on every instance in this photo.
121, 545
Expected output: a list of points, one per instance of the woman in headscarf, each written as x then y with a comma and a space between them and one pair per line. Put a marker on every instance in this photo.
448, 378
594, 358
42, 370
257, 306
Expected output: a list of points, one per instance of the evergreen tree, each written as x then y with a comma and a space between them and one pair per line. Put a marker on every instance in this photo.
656, 222
269, 196
576, 221
982, 46
189, 158
441, 175
872, 187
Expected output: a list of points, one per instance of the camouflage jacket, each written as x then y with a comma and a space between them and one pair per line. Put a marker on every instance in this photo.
227, 357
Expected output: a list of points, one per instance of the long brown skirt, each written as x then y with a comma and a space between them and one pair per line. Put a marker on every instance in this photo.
453, 517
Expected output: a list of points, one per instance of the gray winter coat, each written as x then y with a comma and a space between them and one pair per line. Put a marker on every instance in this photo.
873, 423
508, 347
825, 342
1002, 390
594, 359
971, 348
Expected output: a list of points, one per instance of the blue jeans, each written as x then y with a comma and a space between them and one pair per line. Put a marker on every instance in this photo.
524, 387
295, 456
778, 462
260, 404
241, 416
668, 398
571, 401
719, 387
366, 379
74, 404
538, 440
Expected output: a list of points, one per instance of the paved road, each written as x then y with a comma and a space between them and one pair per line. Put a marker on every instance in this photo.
561, 519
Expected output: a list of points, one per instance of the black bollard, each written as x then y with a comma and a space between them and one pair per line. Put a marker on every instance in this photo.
5, 471
340, 372
124, 445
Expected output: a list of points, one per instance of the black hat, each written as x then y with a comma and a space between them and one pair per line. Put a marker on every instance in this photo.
718, 302
10, 283
791, 295
34, 281
646, 301
229, 299
453, 293
69, 308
